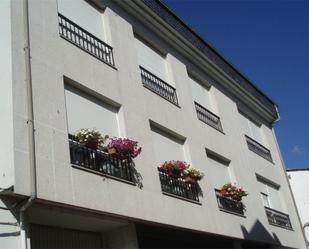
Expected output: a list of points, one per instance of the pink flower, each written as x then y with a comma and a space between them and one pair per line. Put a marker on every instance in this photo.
125, 147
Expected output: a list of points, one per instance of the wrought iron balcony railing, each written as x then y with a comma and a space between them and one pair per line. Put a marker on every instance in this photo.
258, 149
278, 218
158, 86
229, 205
177, 187
208, 117
86, 41
99, 162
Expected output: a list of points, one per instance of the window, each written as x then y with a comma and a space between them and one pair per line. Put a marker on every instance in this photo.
166, 146
273, 204
252, 129
84, 15
151, 60
218, 167
204, 105
154, 72
269, 193
265, 199
85, 111
201, 95
170, 146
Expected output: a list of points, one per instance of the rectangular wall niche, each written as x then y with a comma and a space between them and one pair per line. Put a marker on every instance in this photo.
86, 111
83, 14
167, 144
219, 168
151, 60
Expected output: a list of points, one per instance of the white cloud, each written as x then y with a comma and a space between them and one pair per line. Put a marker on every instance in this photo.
297, 150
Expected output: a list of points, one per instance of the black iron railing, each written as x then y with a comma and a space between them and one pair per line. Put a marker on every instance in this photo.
178, 187
84, 40
258, 149
278, 218
99, 161
158, 86
229, 205
208, 117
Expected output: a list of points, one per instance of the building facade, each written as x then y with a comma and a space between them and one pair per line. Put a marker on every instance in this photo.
131, 69
299, 181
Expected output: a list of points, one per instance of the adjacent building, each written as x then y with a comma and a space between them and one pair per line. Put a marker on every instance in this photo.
132, 69
299, 181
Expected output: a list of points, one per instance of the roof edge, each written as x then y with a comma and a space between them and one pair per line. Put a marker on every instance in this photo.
297, 169
169, 17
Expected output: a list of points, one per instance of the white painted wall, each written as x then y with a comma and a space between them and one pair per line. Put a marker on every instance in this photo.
6, 97
85, 111
53, 57
299, 181
84, 15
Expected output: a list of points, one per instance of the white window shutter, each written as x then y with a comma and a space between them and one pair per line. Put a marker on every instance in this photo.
274, 197
151, 60
256, 132
200, 94
220, 173
84, 15
84, 111
166, 149
265, 199
245, 125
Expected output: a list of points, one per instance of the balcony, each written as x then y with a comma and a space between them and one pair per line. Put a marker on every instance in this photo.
84, 40
277, 218
208, 117
229, 205
99, 162
259, 149
158, 86
177, 187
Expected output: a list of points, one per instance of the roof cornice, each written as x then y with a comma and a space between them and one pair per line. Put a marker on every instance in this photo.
157, 17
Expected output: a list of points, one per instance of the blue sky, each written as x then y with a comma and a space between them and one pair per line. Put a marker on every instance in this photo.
268, 40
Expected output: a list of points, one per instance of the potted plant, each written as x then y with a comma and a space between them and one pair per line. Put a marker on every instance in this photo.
174, 168
90, 138
232, 191
123, 148
192, 175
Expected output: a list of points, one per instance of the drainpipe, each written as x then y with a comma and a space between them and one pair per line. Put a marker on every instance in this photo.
31, 130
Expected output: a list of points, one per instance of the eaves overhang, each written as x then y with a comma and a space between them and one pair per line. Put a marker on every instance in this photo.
297, 169
162, 21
